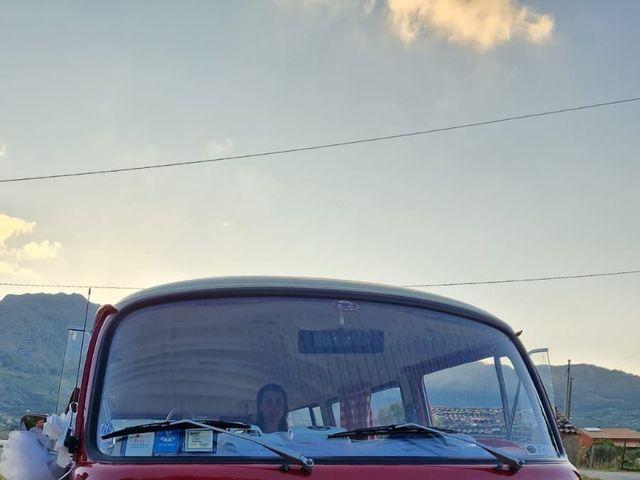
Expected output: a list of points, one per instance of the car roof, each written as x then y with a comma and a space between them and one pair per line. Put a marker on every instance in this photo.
273, 284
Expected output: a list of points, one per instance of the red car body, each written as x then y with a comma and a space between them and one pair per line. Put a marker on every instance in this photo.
89, 463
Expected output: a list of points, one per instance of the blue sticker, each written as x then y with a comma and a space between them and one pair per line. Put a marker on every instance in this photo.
106, 445
166, 442
106, 428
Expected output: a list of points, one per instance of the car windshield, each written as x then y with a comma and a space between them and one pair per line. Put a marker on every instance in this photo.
295, 371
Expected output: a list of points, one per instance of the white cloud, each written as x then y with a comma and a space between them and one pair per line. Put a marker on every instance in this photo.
15, 270
13, 226
3, 149
44, 250
11, 260
482, 24
6, 267
219, 147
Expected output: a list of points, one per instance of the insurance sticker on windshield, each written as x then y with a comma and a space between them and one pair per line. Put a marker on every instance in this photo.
139, 445
537, 450
105, 429
199, 440
166, 442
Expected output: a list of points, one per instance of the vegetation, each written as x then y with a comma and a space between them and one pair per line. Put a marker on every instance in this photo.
604, 455
32, 347
601, 397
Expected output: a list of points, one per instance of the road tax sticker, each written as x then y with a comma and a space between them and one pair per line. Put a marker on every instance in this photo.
199, 440
166, 442
535, 450
139, 445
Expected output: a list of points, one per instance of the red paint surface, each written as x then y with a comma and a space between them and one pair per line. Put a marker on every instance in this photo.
102, 315
321, 472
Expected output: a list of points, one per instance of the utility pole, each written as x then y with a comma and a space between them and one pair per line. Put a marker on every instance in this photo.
571, 379
567, 393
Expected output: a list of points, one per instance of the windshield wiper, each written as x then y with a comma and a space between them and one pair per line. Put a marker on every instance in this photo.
218, 427
174, 425
393, 429
513, 463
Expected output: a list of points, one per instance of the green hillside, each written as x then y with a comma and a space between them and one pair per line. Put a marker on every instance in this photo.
32, 348
601, 397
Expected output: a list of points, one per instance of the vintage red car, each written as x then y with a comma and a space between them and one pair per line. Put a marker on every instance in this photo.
258, 377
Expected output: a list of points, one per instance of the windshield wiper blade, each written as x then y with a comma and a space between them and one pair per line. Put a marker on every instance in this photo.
219, 427
182, 424
513, 463
393, 429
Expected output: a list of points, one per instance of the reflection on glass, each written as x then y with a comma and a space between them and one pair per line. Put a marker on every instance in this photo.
208, 359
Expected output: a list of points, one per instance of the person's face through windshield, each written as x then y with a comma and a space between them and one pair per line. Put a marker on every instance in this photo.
272, 410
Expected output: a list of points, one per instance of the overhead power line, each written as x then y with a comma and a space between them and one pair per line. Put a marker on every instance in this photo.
55, 285
520, 280
423, 285
322, 146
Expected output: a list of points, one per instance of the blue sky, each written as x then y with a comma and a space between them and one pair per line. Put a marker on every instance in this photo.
91, 85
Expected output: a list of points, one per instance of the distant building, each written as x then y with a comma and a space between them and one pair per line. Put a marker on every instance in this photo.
564, 425
618, 436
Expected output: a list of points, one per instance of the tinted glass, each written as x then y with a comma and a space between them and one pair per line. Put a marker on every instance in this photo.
368, 363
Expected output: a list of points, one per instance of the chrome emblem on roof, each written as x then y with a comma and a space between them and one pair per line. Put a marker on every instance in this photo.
346, 306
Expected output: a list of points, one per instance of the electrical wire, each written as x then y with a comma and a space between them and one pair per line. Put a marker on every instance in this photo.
53, 285
421, 285
322, 146
519, 280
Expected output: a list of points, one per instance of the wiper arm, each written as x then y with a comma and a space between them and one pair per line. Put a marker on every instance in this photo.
514, 463
218, 427
182, 424
403, 429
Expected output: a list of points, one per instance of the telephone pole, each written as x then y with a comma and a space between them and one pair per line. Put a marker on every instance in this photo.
568, 392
